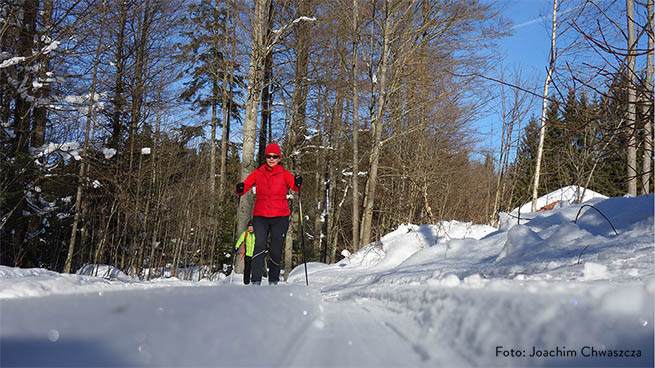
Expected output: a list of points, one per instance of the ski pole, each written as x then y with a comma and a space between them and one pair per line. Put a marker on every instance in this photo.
234, 237
234, 255
302, 236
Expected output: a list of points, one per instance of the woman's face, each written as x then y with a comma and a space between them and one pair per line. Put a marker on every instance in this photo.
272, 160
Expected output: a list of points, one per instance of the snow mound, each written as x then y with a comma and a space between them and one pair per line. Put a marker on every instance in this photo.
561, 198
520, 241
450, 230
299, 271
603, 231
620, 214
407, 240
16, 282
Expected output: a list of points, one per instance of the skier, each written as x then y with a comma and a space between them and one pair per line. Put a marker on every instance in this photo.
271, 211
247, 238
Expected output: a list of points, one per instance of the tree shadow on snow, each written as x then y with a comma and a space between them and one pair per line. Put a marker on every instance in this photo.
16, 352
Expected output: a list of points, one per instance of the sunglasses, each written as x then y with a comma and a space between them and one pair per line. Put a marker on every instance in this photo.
272, 156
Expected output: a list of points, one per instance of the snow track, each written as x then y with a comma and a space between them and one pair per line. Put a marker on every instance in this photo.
284, 325
292, 325
346, 334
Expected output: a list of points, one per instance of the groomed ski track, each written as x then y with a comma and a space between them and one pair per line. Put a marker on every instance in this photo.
283, 325
291, 325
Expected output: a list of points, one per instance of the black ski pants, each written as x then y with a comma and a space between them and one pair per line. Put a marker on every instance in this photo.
247, 262
277, 228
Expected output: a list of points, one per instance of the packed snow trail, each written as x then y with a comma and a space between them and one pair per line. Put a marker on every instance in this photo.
292, 325
287, 325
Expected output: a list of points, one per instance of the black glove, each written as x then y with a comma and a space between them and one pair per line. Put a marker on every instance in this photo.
297, 180
240, 188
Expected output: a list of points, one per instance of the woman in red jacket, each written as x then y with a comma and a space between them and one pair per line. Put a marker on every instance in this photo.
271, 212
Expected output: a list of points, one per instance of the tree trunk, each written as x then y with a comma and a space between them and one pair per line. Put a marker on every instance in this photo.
647, 158
257, 56
84, 163
120, 101
267, 102
505, 142
155, 192
544, 105
22, 101
43, 94
138, 92
334, 172
267, 95
116, 119
632, 102
376, 126
296, 134
212, 142
355, 129
321, 198
227, 100
297, 127
326, 181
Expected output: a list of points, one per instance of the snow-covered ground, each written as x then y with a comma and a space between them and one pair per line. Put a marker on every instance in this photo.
549, 292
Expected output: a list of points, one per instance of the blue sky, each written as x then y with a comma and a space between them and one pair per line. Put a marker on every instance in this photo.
530, 45
527, 49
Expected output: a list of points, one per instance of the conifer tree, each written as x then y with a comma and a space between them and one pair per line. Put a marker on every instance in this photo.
208, 68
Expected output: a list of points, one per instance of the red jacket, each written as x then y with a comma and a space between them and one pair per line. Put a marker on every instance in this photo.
272, 187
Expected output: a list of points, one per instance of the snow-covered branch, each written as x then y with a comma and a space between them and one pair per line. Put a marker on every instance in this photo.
11, 61
282, 31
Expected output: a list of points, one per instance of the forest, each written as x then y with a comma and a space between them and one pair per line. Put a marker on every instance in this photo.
125, 125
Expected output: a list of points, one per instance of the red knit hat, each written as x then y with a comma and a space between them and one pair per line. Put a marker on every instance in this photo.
273, 149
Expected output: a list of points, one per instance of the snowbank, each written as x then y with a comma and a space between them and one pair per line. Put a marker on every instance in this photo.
399, 245
38, 282
553, 245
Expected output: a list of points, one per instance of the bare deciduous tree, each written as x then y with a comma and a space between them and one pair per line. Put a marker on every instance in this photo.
82, 179
258, 51
542, 130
